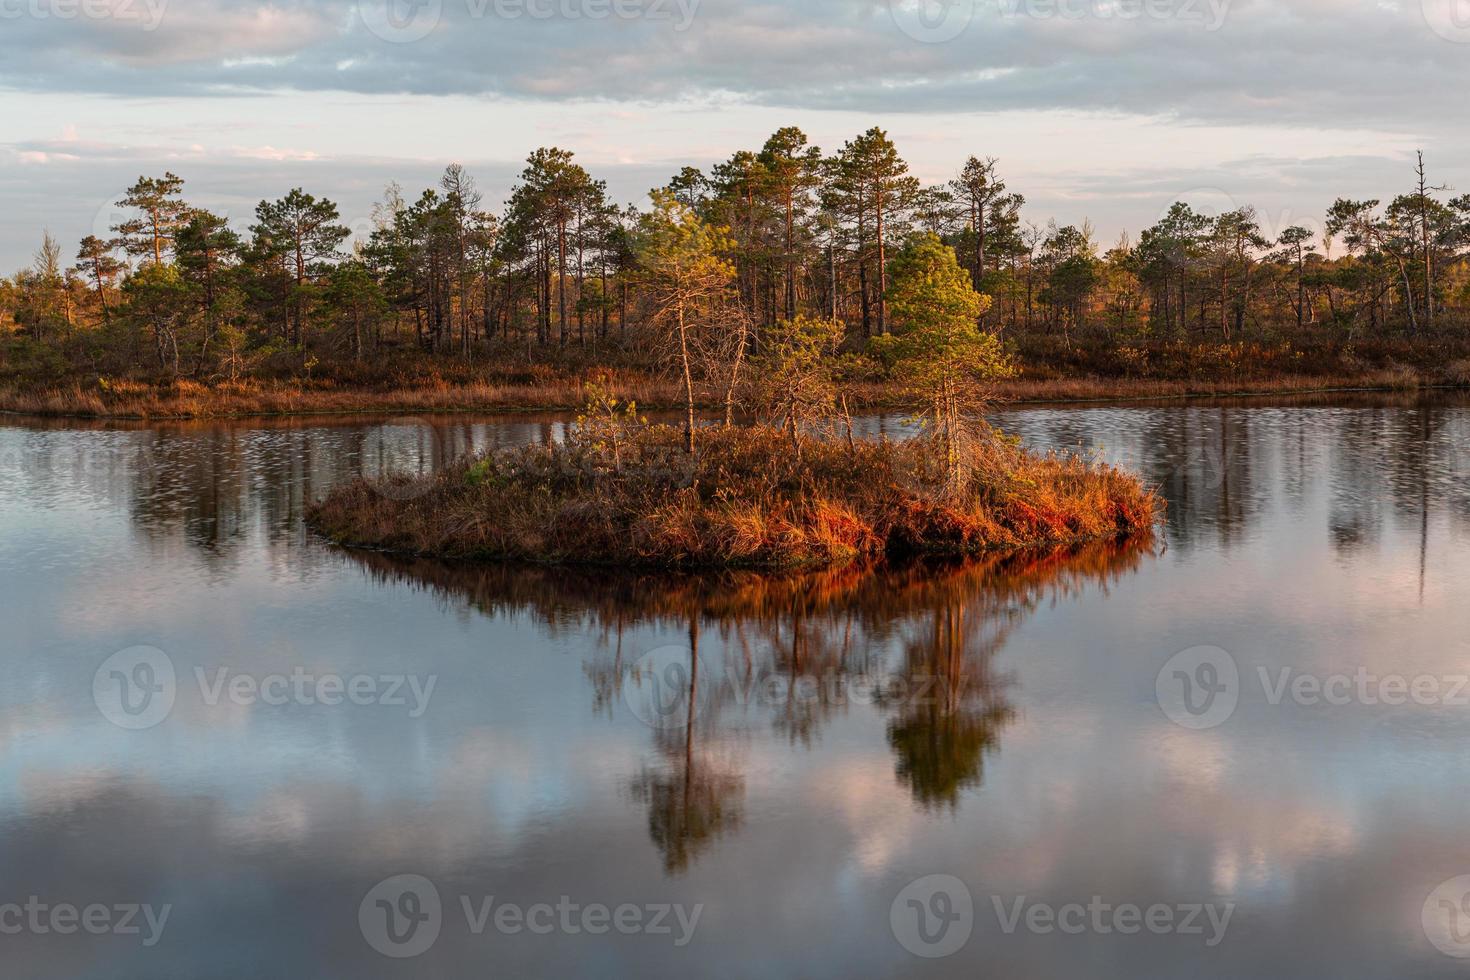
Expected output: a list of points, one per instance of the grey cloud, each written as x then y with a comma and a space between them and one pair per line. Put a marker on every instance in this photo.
1347, 62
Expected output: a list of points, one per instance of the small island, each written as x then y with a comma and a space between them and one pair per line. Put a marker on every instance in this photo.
782, 480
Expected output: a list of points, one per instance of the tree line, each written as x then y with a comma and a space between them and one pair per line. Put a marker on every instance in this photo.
714, 264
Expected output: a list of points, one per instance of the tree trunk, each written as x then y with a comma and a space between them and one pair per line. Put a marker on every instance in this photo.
561, 283
882, 269
735, 375
688, 382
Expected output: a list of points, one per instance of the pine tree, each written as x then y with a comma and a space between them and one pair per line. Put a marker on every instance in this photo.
162, 212
938, 351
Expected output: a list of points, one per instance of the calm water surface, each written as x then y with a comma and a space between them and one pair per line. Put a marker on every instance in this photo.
999, 722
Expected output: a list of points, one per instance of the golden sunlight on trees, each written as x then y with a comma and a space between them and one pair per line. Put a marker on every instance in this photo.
795, 383
688, 280
937, 348
710, 276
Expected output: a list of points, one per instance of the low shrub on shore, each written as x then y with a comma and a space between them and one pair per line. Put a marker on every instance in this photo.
429, 392
747, 497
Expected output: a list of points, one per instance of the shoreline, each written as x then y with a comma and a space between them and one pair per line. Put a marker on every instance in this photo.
286, 402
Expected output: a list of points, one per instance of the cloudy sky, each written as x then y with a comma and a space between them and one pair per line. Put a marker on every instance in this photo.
1098, 109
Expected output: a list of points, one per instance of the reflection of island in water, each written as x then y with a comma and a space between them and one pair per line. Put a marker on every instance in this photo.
789, 652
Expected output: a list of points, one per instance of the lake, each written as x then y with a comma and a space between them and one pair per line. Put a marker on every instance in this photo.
1239, 749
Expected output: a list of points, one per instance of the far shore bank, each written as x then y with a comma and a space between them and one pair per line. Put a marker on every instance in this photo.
190, 400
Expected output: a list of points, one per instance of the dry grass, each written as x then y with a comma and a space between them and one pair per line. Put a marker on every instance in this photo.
188, 400
1101, 368
185, 399
1096, 367
394, 381
1093, 389
744, 499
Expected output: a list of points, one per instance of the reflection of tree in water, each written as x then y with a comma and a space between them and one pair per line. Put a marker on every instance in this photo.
953, 706
1399, 464
689, 807
1400, 467
1383, 460
216, 486
804, 653
1354, 516
694, 796
925, 633
192, 485
953, 709
1202, 460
